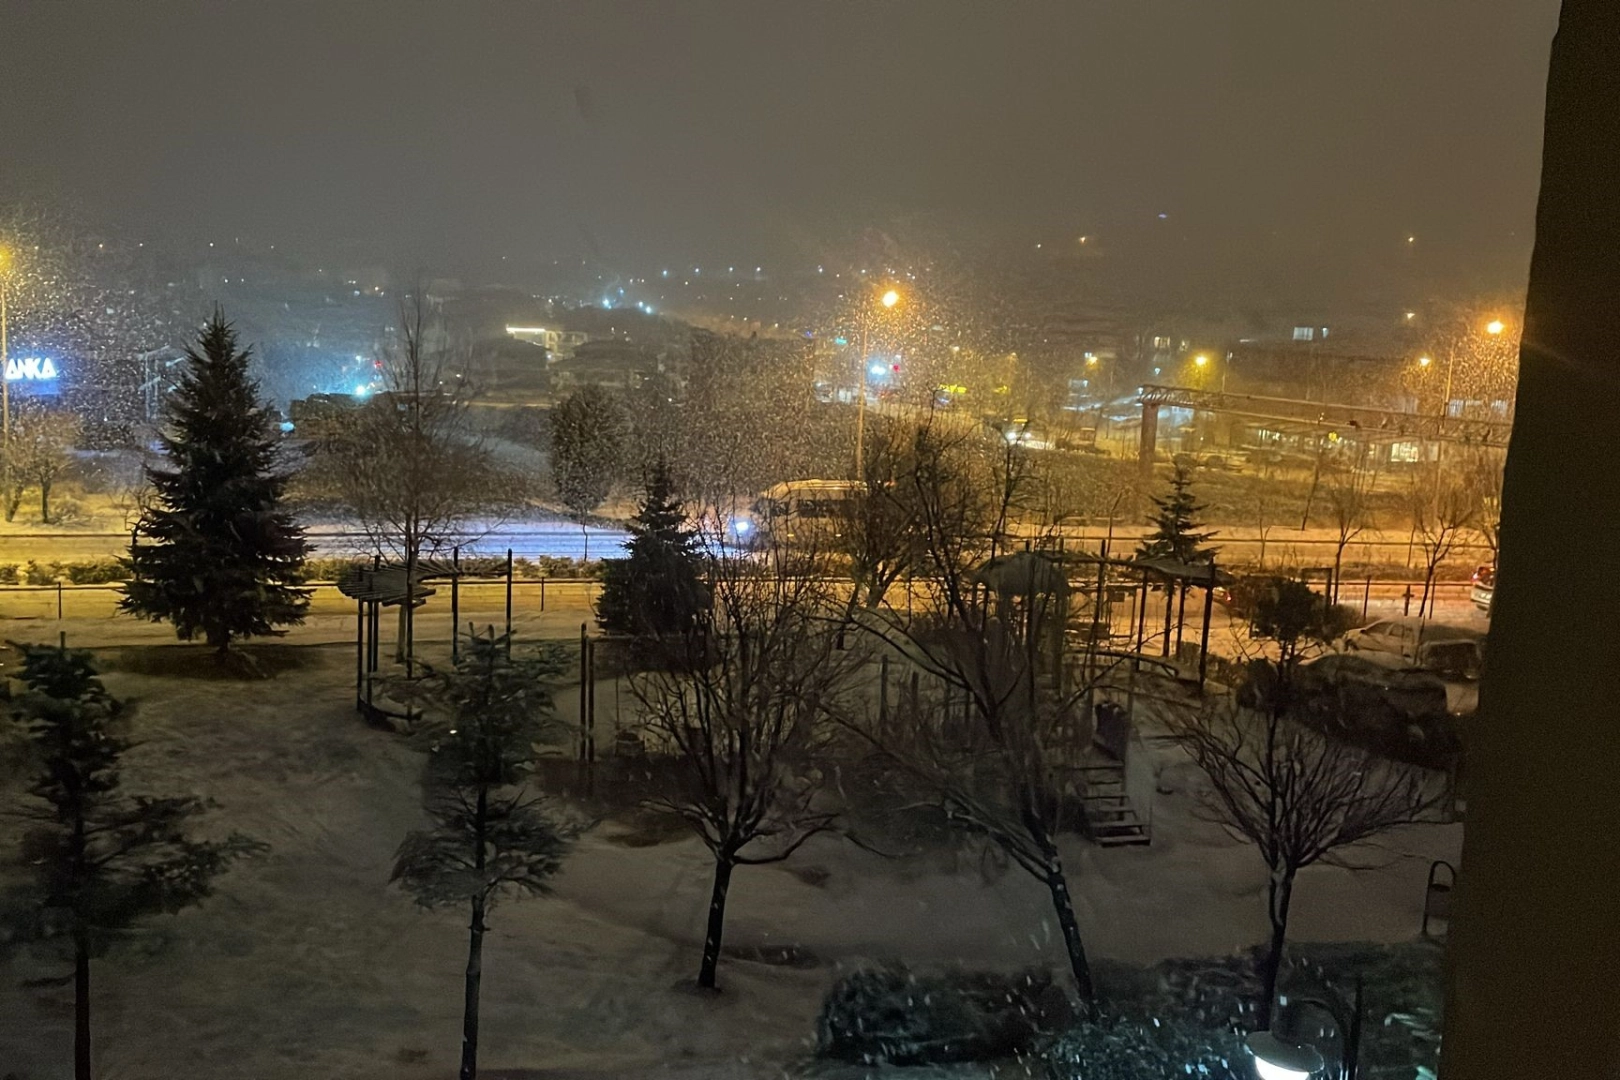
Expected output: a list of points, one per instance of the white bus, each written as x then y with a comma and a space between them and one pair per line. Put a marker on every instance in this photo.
798, 512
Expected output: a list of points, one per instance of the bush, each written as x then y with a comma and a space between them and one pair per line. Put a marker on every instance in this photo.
40, 574
1185, 1017
893, 1015
328, 567
8, 574
92, 571
1124, 1048
553, 566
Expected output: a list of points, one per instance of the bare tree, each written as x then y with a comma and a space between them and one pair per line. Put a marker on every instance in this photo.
744, 702
1483, 477
879, 532
587, 450
1265, 518
42, 440
990, 746
1349, 499
409, 464
1442, 508
1297, 795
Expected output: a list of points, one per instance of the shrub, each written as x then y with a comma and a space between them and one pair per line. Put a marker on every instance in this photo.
40, 574
327, 567
8, 574
92, 571
893, 1015
1185, 1017
1124, 1048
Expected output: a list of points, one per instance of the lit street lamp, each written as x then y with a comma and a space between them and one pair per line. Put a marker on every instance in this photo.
888, 300
1284, 1056
1276, 1059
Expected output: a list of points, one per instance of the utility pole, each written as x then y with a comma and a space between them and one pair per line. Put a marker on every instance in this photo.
5, 370
860, 407
888, 300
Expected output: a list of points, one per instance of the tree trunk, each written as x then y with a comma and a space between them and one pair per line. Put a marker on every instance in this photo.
717, 921
1278, 895
475, 973
44, 502
1058, 885
1338, 563
402, 633
81, 1006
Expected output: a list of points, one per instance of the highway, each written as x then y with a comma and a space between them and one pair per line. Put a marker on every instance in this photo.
528, 540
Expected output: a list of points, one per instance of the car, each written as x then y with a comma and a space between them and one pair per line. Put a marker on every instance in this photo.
1483, 589
1454, 652
1372, 701
1399, 691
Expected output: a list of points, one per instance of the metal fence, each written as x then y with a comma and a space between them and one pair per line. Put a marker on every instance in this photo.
529, 595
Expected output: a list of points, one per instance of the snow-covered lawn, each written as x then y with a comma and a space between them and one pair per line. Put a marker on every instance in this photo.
306, 963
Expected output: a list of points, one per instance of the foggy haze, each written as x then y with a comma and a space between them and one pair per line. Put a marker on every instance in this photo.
1290, 148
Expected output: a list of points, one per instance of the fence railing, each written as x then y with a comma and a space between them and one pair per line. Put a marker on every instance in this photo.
529, 595
532, 595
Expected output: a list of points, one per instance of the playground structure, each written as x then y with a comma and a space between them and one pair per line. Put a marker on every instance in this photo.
391, 584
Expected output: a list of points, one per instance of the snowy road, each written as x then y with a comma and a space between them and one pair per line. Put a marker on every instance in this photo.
528, 540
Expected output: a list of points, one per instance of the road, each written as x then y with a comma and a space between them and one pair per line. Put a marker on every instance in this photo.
528, 540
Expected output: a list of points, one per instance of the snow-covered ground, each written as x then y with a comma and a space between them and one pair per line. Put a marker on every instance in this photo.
308, 964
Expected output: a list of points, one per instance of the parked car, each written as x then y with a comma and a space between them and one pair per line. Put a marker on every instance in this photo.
1484, 588
1453, 651
1373, 686
1370, 700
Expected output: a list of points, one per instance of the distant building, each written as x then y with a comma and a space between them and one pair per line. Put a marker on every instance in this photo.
559, 343
614, 365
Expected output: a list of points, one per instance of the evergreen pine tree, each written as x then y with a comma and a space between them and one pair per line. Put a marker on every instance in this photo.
1176, 526
488, 836
656, 591
217, 555
98, 860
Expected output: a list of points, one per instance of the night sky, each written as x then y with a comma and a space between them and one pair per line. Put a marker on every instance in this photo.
1278, 138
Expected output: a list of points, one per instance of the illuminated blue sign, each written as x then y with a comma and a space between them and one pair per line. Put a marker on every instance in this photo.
30, 369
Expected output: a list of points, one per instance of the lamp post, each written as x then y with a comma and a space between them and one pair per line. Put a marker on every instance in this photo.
5, 370
888, 300
1284, 1056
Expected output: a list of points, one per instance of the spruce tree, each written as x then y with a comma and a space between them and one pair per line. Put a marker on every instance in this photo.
216, 554
1176, 526
656, 591
97, 860
489, 836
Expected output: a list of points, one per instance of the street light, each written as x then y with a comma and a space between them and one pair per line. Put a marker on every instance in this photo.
1201, 360
888, 300
1494, 327
1276, 1059
1287, 1057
